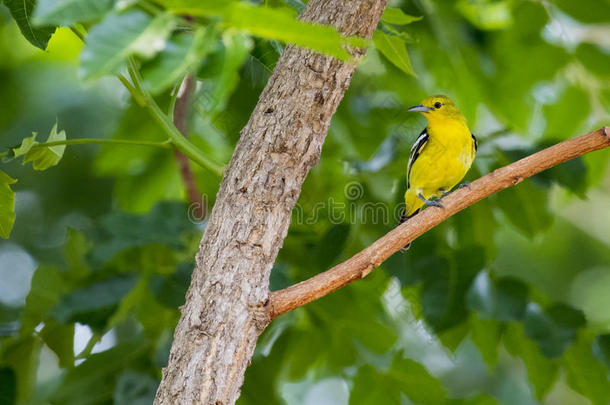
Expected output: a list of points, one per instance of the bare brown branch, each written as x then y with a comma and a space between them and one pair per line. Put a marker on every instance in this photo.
363, 263
181, 111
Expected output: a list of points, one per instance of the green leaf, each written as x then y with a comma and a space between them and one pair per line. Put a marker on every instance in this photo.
143, 176
415, 382
75, 250
542, 371
21, 10
43, 157
70, 12
373, 387
93, 381
585, 374
60, 338
374, 335
392, 15
93, 305
588, 11
565, 117
170, 290
119, 231
135, 389
8, 384
182, 55
393, 48
236, 46
601, 349
481, 399
554, 329
22, 355
279, 24
119, 36
7, 205
486, 15
46, 288
593, 58
25, 146
503, 300
331, 245
485, 334
443, 295
525, 205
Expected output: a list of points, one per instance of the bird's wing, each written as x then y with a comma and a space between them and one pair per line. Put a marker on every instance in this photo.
418, 146
476, 144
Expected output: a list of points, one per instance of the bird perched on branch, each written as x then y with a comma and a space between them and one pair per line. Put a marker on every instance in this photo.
440, 157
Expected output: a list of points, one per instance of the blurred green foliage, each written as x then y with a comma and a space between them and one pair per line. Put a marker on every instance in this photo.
505, 303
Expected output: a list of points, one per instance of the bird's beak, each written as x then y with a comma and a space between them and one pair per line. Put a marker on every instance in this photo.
420, 108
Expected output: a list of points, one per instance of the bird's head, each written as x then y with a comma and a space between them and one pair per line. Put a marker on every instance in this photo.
438, 108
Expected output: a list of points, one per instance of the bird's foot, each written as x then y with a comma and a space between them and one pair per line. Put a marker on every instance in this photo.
405, 248
444, 192
433, 203
464, 184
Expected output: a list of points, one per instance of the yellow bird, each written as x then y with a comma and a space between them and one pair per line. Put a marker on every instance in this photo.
440, 157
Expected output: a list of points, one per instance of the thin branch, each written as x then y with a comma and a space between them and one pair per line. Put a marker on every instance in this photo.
179, 141
93, 141
89, 141
180, 118
361, 264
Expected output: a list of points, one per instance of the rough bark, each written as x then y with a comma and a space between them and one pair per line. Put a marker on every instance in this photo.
361, 264
224, 311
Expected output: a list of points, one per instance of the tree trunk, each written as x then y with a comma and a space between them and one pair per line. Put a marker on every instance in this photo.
224, 311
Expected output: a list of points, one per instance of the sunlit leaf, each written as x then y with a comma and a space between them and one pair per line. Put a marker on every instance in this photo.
7, 205
273, 24
392, 15
393, 48
486, 15
43, 157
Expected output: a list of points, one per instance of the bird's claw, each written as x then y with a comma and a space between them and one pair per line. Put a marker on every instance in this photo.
429, 203
434, 203
464, 184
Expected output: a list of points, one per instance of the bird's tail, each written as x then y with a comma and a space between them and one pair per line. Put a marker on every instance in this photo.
412, 205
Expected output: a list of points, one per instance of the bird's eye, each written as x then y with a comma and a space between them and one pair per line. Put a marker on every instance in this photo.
437, 105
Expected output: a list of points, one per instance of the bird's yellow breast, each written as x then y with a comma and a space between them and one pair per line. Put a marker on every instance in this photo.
446, 158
